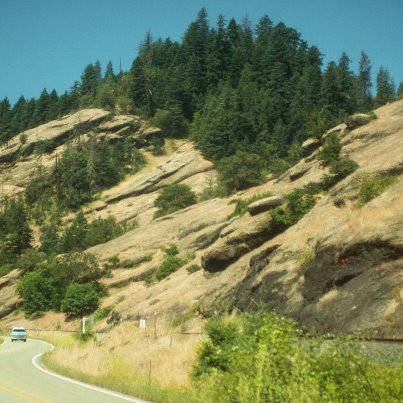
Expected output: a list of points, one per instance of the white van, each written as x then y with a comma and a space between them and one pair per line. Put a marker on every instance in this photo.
19, 333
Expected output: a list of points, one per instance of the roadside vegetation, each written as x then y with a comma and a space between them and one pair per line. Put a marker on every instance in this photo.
244, 357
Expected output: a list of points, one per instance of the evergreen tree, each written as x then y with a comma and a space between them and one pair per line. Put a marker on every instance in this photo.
50, 241
19, 121
75, 234
196, 41
364, 84
141, 89
385, 88
90, 80
329, 90
74, 179
53, 109
5, 118
15, 233
109, 73
346, 95
399, 93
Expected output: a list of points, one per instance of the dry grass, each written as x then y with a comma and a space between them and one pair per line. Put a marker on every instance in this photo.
129, 359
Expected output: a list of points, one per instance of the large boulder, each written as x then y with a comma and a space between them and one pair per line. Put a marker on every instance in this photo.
357, 120
309, 146
240, 237
119, 122
265, 204
185, 163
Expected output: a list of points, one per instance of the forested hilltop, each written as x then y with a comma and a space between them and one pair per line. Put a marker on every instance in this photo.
260, 89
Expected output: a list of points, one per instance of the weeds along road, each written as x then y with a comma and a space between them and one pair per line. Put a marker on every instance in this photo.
21, 380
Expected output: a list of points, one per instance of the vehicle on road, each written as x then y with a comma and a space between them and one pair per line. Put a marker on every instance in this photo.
19, 333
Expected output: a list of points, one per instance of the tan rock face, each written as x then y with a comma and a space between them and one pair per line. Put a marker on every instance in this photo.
265, 204
183, 164
357, 120
339, 269
9, 298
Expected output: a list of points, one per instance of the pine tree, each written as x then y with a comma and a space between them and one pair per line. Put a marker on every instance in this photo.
385, 88
399, 92
15, 233
364, 84
346, 95
19, 122
5, 117
109, 72
75, 234
42, 108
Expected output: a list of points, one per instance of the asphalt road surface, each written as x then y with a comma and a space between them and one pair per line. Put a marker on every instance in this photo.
22, 380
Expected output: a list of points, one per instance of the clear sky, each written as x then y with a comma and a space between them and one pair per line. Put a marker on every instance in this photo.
48, 43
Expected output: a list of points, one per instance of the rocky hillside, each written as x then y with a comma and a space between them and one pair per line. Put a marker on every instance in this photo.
339, 269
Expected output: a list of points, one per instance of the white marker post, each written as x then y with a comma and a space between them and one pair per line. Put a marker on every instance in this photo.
84, 320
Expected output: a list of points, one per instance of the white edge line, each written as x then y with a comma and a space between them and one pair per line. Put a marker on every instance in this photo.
36, 364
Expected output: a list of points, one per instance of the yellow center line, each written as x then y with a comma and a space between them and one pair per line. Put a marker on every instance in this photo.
29, 397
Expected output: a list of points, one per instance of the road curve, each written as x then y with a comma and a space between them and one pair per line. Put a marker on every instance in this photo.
22, 380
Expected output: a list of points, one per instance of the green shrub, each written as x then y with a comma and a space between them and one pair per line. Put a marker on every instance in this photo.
259, 357
278, 166
372, 185
45, 287
29, 259
331, 149
44, 146
240, 171
241, 205
80, 299
193, 268
84, 337
171, 122
113, 261
23, 138
170, 263
102, 313
299, 202
6, 268
173, 198
343, 167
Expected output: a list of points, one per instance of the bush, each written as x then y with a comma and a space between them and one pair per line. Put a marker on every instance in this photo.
343, 167
240, 171
80, 299
171, 262
171, 122
45, 288
299, 202
241, 205
29, 259
173, 198
36, 290
372, 185
278, 166
44, 146
258, 357
331, 149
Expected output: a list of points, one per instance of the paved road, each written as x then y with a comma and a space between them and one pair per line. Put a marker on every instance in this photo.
21, 381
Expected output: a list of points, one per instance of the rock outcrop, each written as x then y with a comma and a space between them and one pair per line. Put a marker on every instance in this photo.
357, 120
265, 204
339, 269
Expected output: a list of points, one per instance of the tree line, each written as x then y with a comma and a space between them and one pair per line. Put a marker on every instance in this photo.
261, 85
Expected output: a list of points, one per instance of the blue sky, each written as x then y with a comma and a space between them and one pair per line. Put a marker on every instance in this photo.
48, 43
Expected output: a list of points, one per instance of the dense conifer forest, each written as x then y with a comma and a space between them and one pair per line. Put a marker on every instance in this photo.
234, 86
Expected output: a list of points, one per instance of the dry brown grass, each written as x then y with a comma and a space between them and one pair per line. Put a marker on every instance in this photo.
157, 354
